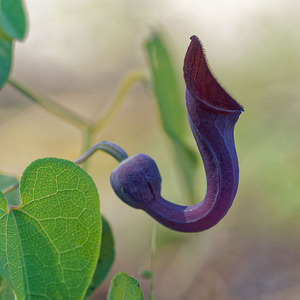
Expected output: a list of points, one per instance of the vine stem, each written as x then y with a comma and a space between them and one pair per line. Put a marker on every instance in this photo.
127, 82
10, 188
71, 117
88, 127
153, 258
50, 105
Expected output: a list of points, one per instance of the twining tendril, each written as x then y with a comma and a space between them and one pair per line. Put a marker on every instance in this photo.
212, 116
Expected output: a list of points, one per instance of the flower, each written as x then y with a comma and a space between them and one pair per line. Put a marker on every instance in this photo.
212, 115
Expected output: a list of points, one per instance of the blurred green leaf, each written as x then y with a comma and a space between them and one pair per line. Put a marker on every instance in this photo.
6, 292
13, 198
172, 110
106, 259
124, 287
13, 19
166, 88
5, 56
52, 239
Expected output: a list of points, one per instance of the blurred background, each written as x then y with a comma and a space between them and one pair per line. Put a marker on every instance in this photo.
76, 53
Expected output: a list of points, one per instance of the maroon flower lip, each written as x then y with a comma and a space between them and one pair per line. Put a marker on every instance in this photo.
200, 82
212, 115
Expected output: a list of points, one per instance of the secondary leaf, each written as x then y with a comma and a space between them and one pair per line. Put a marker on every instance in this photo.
5, 57
124, 287
49, 245
166, 88
172, 111
13, 198
12, 18
106, 259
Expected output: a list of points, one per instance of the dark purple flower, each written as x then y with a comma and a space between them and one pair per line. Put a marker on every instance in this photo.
212, 115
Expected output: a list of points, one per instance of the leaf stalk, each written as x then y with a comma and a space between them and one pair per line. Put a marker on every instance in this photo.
10, 188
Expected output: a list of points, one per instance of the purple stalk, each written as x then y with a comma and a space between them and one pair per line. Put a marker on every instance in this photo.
212, 115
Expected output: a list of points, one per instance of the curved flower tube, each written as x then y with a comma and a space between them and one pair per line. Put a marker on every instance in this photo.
212, 116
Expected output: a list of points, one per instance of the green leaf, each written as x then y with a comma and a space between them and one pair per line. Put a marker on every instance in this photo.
124, 287
5, 57
13, 198
12, 18
6, 292
106, 259
49, 245
172, 111
166, 88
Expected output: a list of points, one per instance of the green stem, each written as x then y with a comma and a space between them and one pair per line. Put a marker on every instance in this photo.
10, 188
153, 258
109, 147
88, 127
122, 91
50, 105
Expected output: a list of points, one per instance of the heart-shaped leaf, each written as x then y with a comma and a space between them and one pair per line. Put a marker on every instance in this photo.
123, 287
49, 245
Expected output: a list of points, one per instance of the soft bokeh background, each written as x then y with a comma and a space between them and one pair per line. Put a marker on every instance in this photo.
76, 52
